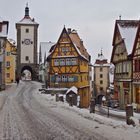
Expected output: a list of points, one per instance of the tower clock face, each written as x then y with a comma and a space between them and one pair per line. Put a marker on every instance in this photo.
27, 41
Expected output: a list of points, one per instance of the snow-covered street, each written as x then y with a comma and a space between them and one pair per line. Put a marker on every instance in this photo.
25, 114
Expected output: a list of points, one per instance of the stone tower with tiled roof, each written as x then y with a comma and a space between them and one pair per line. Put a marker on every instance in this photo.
101, 77
27, 36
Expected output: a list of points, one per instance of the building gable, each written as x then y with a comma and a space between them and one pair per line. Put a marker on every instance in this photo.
119, 49
123, 39
64, 46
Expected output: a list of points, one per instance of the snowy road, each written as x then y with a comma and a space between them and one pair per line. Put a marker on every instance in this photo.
27, 115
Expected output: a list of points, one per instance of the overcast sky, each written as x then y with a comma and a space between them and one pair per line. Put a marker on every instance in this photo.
93, 19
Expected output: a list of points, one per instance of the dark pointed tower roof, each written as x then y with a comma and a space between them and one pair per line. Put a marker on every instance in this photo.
101, 59
27, 10
27, 19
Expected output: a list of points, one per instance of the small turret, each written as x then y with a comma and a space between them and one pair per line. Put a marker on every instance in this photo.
27, 10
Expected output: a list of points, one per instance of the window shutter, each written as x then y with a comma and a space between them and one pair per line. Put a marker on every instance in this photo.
52, 78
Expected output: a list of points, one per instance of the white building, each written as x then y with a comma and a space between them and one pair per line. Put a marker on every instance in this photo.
43, 53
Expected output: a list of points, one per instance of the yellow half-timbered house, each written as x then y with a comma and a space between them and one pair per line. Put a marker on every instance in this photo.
10, 61
69, 65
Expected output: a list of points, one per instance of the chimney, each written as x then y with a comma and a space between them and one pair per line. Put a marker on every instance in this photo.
69, 30
81, 41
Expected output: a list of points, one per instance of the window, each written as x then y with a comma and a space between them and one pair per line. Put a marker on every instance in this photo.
65, 49
52, 78
27, 58
101, 69
56, 62
8, 75
101, 88
70, 78
101, 82
8, 53
58, 78
101, 75
27, 30
137, 95
73, 61
137, 65
62, 62
8, 64
67, 61
64, 78
125, 66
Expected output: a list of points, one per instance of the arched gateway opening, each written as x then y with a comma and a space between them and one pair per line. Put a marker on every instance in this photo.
26, 73
99, 99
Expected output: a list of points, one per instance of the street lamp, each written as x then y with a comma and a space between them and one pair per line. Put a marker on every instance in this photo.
108, 101
56, 82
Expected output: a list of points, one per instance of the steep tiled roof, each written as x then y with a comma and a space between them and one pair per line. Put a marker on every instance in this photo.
128, 30
79, 43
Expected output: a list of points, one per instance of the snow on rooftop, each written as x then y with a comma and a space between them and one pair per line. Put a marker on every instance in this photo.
13, 42
73, 88
26, 20
80, 52
128, 33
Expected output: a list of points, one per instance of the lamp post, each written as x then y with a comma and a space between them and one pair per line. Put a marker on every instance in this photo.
56, 82
108, 101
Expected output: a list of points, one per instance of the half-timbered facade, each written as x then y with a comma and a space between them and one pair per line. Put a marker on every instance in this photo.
136, 70
69, 65
123, 41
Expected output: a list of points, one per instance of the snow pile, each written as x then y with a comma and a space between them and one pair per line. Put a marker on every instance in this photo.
135, 120
108, 127
85, 112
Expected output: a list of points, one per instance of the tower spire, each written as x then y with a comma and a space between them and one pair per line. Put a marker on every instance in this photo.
101, 51
27, 10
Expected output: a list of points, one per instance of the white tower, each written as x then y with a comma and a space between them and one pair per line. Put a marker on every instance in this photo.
27, 32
